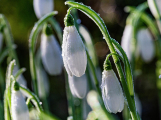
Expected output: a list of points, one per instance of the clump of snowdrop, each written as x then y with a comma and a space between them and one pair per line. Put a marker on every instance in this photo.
19, 108
21, 80
152, 5
145, 44
78, 85
42, 7
112, 93
1, 41
51, 53
73, 50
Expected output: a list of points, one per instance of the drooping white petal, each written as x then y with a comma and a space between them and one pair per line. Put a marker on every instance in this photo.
112, 92
73, 52
1, 41
43, 82
152, 7
21, 80
146, 45
78, 85
18, 106
126, 40
42, 7
51, 55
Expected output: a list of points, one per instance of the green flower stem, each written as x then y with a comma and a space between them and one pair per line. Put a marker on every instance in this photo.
96, 18
19, 72
32, 42
94, 74
9, 38
8, 82
3, 54
33, 97
6, 107
158, 17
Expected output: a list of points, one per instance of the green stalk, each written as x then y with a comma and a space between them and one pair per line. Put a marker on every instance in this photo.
97, 19
6, 109
33, 97
158, 17
9, 38
32, 42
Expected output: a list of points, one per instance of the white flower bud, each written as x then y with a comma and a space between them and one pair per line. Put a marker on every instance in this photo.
43, 7
153, 8
112, 92
145, 44
21, 80
1, 41
51, 54
43, 82
126, 40
18, 106
78, 86
73, 52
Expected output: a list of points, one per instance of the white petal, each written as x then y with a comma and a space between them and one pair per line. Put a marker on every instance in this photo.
78, 86
126, 40
43, 83
1, 41
112, 92
43, 7
21, 80
146, 45
51, 55
19, 108
74, 54
152, 7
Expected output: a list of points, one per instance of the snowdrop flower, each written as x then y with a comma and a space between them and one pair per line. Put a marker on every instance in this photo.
51, 54
21, 80
42, 7
1, 41
78, 86
145, 44
18, 105
112, 92
43, 83
153, 9
126, 40
73, 50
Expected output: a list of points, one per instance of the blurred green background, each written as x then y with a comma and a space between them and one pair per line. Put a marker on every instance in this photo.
22, 18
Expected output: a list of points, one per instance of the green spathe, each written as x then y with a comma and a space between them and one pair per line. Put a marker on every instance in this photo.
69, 20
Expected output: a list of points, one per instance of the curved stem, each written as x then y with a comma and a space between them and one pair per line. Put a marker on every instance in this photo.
9, 38
100, 23
33, 97
32, 42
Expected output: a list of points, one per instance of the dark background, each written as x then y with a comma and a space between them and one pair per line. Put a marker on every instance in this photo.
21, 17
